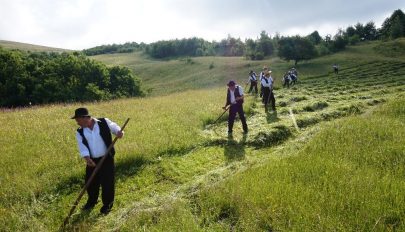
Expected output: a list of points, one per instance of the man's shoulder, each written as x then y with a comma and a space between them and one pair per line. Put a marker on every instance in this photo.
103, 121
79, 131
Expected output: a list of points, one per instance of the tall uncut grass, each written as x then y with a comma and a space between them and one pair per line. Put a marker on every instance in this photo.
348, 178
39, 154
176, 172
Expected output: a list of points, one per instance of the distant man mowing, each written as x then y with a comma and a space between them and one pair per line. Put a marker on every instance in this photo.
268, 95
234, 98
335, 68
264, 70
93, 138
253, 82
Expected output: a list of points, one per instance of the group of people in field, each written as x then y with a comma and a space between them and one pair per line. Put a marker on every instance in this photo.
235, 96
94, 137
235, 93
290, 78
94, 134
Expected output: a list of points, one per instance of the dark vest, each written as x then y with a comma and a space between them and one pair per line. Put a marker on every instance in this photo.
237, 94
105, 134
253, 78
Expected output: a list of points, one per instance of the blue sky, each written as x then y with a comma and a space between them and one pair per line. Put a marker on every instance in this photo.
78, 24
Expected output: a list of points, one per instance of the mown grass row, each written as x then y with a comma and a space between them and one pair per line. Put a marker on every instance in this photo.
349, 177
164, 151
41, 168
268, 130
279, 130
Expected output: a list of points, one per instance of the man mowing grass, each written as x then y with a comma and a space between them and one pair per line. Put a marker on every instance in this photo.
268, 95
93, 138
234, 98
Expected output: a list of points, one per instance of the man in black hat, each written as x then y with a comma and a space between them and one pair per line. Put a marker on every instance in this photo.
93, 138
234, 98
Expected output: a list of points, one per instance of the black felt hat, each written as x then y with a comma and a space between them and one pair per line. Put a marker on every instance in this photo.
80, 113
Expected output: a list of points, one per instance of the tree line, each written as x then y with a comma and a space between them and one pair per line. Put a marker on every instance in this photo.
114, 48
296, 48
39, 78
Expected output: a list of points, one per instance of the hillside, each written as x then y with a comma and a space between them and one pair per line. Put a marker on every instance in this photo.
29, 47
168, 76
340, 167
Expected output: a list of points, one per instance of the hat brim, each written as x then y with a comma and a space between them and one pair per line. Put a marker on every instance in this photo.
80, 116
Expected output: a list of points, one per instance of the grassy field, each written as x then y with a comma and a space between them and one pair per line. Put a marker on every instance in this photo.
29, 47
339, 168
169, 76
348, 177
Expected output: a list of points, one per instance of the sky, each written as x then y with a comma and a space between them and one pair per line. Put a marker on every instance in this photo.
79, 24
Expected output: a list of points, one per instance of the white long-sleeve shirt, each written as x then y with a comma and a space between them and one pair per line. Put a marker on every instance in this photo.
269, 82
252, 77
232, 94
93, 137
261, 75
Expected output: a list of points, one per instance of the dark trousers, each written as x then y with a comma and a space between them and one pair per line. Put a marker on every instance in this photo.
105, 178
286, 82
253, 85
261, 90
236, 108
267, 97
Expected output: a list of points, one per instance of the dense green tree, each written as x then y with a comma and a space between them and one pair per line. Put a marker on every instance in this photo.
39, 78
114, 48
265, 44
397, 30
351, 31
393, 26
296, 48
370, 31
315, 38
258, 49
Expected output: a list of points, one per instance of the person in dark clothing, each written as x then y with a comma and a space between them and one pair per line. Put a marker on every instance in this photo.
268, 95
253, 82
336, 69
234, 98
265, 69
287, 80
93, 138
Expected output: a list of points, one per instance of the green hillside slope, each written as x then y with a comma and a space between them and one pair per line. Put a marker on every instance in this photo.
178, 172
29, 47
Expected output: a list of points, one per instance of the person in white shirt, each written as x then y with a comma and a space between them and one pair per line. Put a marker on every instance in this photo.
265, 69
253, 82
234, 98
335, 68
268, 95
93, 139
287, 80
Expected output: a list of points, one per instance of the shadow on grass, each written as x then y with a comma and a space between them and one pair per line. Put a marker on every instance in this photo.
272, 117
222, 116
234, 150
123, 169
